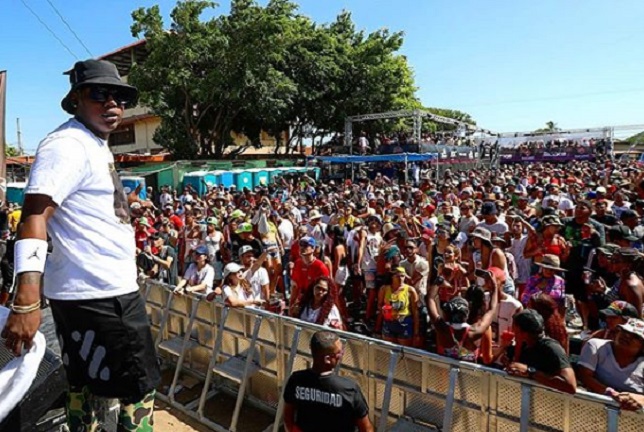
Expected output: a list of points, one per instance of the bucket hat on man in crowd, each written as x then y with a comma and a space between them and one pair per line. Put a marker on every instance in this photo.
98, 72
551, 220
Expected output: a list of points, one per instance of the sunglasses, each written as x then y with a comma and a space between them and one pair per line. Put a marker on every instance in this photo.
102, 94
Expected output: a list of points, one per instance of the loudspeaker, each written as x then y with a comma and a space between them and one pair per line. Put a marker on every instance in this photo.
42, 407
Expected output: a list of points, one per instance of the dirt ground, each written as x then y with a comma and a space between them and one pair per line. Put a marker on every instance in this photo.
174, 421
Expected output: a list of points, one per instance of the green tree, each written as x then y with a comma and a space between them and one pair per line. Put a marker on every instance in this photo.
550, 128
11, 151
262, 68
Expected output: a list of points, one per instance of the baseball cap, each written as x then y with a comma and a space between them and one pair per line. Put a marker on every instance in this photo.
212, 221
144, 222
620, 308
310, 241
231, 268
244, 228
245, 249
236, 214
201, 250
488, 208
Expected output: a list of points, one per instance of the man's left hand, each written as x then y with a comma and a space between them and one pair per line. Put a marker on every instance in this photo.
517, 369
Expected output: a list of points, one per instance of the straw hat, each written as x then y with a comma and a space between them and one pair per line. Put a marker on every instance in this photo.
551, 262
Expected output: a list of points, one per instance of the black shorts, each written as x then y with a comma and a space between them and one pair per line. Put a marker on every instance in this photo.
576, 286
107, 346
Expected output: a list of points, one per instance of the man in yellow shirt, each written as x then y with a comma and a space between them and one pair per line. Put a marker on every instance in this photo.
13, 219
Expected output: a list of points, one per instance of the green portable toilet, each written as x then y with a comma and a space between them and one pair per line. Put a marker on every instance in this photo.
243, 179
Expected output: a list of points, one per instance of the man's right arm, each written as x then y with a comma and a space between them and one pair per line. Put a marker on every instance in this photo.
20, 329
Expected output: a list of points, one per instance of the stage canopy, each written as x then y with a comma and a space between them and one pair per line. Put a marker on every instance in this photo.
349, 159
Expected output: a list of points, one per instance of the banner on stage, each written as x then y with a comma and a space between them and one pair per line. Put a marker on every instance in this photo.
564, 154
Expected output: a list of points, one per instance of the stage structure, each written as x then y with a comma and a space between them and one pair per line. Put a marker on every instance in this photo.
416, 115
351, 159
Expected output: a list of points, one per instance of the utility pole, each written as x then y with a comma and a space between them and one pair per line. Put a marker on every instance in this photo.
19, 136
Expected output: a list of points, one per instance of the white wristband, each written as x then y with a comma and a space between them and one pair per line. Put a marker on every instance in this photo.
29, 256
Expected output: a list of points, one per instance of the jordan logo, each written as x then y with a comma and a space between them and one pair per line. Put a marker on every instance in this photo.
34, 255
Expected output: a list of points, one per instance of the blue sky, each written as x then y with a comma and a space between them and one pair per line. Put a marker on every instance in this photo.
513, 65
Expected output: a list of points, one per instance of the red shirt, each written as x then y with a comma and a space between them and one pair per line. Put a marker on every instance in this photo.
304, 275
176, 221
140, 237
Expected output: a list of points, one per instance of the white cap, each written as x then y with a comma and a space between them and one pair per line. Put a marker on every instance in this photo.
231, 268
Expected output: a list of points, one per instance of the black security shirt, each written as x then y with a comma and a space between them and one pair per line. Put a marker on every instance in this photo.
325, 403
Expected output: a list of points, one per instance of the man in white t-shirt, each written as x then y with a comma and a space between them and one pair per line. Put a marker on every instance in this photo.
254, 273
75, 196
491, 221
165, 198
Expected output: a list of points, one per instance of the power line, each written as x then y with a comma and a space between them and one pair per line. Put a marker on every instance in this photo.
48, 29
69, 27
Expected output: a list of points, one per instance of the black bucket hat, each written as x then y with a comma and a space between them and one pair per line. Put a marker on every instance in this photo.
96, 72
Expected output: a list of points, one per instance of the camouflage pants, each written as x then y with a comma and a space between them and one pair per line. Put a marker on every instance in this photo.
84, 414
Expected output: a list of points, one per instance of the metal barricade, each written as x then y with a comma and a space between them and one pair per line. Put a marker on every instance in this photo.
246, 356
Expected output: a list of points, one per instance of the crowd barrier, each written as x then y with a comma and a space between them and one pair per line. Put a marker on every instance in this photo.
246, 354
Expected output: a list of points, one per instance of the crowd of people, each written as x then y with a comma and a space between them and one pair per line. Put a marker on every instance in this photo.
537, 270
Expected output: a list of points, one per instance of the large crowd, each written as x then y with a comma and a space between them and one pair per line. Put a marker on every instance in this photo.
537, 270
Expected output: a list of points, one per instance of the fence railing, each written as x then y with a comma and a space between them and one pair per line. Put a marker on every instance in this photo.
248, 354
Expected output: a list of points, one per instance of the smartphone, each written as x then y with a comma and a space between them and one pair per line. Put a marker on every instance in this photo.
481, 273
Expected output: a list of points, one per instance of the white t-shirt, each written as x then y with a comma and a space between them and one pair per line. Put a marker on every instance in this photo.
617, 210
239, 292
165, 199
205, 275
256, 280
213, 243
597, 355
93, 255
420, 266
311, 315
499, 228
287, 233
508, 307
